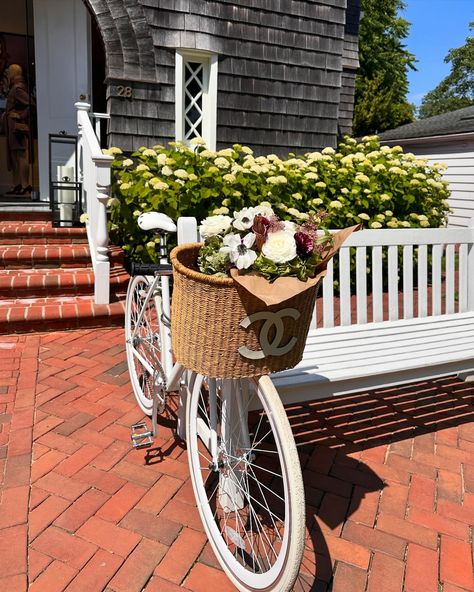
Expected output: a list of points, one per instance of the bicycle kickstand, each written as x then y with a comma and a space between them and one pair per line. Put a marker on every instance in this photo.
141, 436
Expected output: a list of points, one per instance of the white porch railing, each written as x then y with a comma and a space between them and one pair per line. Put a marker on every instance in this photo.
94, 173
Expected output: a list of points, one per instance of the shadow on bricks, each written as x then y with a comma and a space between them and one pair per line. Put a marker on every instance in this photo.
338, 439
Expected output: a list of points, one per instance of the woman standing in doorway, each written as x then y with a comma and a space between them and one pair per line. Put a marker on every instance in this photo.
17, 129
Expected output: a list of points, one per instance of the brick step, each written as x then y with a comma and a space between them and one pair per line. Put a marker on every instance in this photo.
42, 256
55, 314
16, 233
30, 283
51, 256
21, 216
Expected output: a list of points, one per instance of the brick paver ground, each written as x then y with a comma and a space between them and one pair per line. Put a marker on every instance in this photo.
389, 479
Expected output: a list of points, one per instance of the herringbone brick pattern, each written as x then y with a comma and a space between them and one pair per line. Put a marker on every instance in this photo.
389, 479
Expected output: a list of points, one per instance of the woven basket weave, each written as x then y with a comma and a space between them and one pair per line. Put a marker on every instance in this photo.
206, 316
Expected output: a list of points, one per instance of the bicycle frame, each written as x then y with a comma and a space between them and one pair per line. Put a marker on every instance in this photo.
159, 289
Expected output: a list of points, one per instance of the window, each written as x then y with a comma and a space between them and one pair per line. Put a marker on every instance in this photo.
196, 97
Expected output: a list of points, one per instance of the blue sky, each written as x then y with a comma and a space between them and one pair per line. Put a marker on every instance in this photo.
437, 26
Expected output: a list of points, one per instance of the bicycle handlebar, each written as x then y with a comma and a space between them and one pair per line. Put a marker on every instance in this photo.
151, 269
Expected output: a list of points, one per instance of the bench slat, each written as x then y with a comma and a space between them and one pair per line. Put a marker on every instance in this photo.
374, 352
376, 366
391, 328
328, 296
361, 284
449, 279
345, 285
408, 282
437, 253
326, 349
393, 283
410, 236
377, 284
422, 280
463, 275
381, 367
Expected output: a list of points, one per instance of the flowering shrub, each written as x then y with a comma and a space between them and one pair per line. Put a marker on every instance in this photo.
361, 182
255, 239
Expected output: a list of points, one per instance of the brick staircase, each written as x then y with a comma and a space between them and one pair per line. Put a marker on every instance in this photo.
46, 277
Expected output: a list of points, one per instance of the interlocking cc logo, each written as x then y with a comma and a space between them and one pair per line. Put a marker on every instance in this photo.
272, 319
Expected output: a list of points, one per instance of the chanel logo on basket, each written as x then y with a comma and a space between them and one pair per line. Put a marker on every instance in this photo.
272, 319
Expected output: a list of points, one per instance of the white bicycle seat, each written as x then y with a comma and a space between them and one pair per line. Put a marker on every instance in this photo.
156, 221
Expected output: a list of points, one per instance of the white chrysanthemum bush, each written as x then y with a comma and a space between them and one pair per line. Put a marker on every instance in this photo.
360, 182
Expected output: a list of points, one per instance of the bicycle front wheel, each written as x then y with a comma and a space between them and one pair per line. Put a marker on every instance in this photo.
247, 480
143, 342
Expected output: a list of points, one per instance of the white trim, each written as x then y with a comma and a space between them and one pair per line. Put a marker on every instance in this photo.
179, 94
211, 106
209, 96
430, 139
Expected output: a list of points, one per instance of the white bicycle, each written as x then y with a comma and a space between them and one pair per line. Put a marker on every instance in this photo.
242, 456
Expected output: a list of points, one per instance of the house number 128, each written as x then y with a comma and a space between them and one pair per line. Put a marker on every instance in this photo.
125, 91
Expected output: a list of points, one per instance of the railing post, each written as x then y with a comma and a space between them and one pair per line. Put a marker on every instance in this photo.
102, 270
95, 177
80, 161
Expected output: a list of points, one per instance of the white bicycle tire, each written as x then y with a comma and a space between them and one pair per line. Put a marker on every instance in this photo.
139, 381
287, 566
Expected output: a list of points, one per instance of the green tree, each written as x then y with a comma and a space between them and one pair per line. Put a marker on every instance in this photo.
457, 89
382, 81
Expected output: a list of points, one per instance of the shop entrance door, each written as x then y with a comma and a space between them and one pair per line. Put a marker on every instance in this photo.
63, 73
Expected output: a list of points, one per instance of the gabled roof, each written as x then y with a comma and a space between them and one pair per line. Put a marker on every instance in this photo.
455, 122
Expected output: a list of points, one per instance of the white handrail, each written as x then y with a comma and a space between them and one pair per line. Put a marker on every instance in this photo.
94, 173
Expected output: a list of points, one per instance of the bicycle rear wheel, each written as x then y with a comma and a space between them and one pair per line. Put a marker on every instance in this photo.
143, 342
247, 480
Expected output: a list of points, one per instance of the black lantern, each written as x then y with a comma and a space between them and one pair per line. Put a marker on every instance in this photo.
65, 191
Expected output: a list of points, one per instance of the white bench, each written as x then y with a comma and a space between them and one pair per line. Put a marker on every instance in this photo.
422, 328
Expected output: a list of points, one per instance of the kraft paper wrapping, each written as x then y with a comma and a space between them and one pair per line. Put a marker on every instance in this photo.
284, 288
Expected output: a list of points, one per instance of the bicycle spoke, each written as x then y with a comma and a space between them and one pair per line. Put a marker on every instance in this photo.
244, 498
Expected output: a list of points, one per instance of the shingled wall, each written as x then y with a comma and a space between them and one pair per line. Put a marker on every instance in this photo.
285, 74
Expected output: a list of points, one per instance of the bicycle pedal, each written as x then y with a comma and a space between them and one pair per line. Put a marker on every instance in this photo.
141, 436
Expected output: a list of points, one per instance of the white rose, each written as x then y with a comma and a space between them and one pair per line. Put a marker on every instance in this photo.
280, 246
214, 225
289, 226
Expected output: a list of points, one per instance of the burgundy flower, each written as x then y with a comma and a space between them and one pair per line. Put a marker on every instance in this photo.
304, 244
261, 224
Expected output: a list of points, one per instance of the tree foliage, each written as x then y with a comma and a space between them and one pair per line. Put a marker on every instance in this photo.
382, 81
457, 89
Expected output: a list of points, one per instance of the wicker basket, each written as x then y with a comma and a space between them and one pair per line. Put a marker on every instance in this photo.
206, 316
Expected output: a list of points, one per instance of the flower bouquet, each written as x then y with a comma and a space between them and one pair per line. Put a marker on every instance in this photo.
244, 298
257, 240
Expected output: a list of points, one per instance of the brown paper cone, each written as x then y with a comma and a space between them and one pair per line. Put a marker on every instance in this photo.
284, 288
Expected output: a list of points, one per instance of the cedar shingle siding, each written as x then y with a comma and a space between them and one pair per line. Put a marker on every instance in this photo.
285, 74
